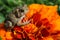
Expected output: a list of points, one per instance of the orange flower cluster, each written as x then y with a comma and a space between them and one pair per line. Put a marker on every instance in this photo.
47, 15
44, 25
5, 35
46, 18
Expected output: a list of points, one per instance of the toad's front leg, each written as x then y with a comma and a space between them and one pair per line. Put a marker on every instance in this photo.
20, 23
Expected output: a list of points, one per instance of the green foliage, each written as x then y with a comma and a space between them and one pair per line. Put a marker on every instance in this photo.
6, 6
1, 18
47, 2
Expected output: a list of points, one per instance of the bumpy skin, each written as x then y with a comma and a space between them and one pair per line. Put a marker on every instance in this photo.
15, 16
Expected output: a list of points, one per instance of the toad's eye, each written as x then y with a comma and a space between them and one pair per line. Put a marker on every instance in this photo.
22, 10
19, 13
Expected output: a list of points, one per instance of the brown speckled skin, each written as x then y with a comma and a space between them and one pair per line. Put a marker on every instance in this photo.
15, 16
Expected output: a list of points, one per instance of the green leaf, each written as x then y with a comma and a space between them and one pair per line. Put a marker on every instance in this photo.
14, 2
1, 18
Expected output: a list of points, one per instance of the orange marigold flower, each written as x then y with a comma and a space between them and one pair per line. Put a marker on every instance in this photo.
30, 28
36, 17
48, 38
56, 24
8, 35
35, 7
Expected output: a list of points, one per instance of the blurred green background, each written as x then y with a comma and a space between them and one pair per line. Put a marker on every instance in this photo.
6, 6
